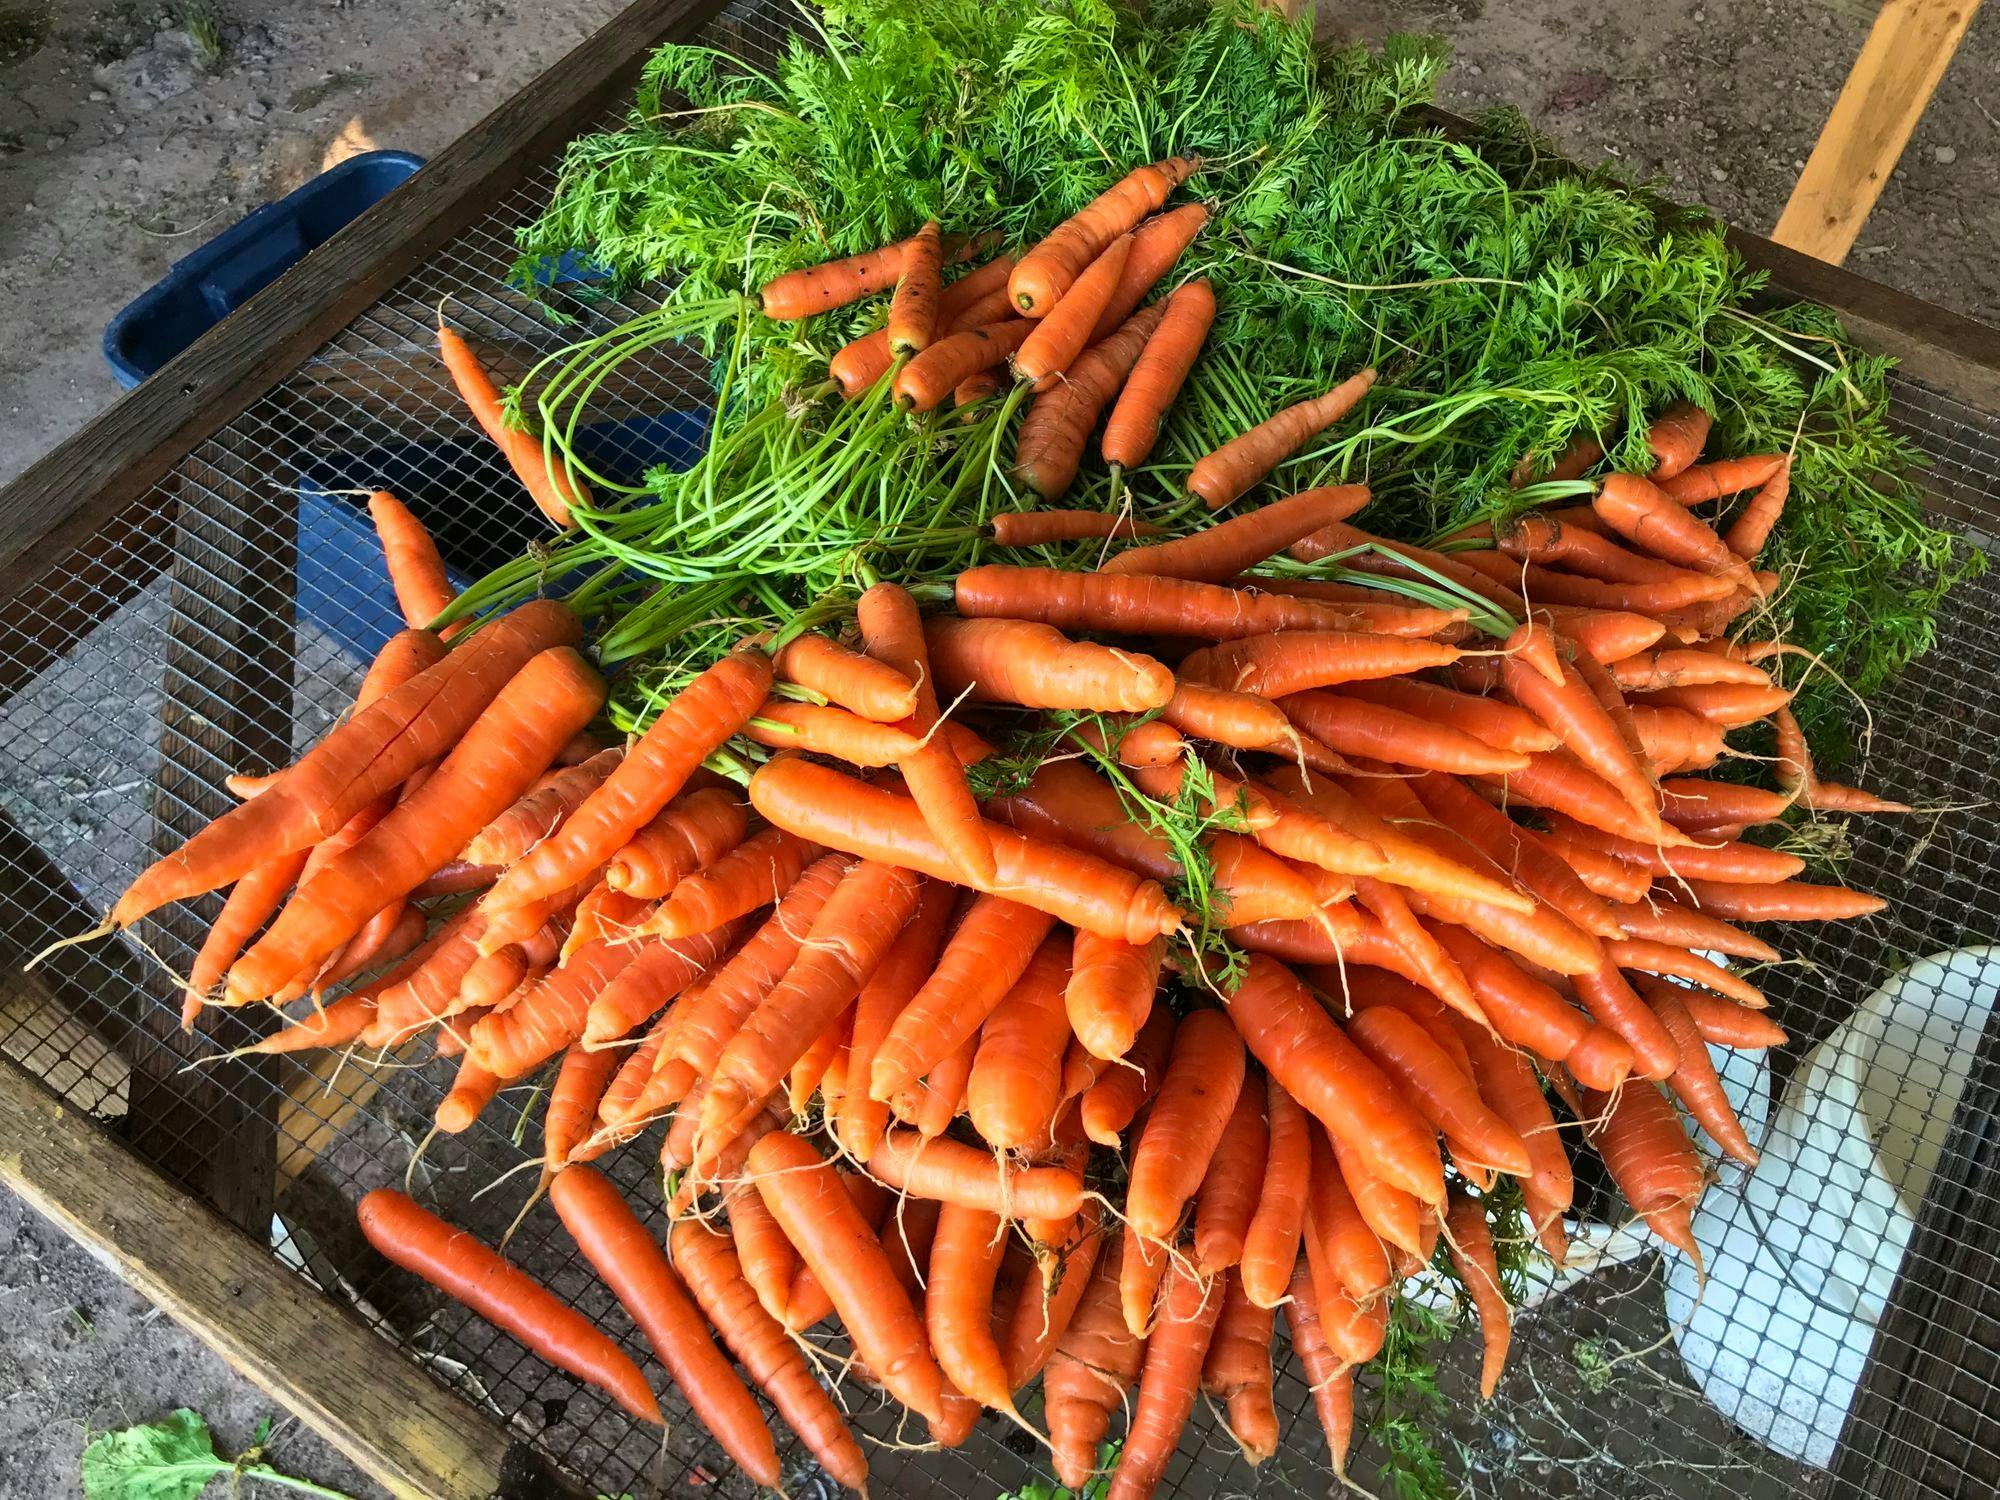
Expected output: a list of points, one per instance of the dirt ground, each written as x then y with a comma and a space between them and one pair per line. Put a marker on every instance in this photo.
130, 132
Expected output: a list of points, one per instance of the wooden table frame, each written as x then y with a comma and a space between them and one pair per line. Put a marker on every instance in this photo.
96, 496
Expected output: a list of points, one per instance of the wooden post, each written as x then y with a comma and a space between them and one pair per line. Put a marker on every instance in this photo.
1879, 105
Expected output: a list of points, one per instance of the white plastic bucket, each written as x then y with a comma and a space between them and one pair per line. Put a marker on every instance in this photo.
1802, 1252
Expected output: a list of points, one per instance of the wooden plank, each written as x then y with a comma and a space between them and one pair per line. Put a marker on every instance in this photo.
62, 501
226, 702
316, 1358
1891, 82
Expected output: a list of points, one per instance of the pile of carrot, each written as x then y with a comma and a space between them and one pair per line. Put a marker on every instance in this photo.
919, 1000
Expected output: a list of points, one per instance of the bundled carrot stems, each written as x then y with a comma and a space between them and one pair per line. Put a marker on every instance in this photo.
1196, 728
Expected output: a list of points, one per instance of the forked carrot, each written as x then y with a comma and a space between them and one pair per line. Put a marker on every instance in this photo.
1093, 1367
1752, 528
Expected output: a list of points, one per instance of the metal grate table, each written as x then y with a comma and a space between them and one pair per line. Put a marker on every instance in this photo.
187, 599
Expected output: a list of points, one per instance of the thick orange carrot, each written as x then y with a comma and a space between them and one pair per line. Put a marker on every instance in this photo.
1507, 1083
1244, 461
1561, 783
1140, 605
497, 759
468, 1272
1169, 1380
545, 475
1271, 1239
1162, 368
1085, 892
836, 283
868, 687
416, 572
689, 834
1405, 1052
1479, 1272
1061, 334
1110, 991
833, 1238
1041, 1313
709, 1265
1297, 1043
1575, 713
1694, 805
1016, 1079
952, 1172
1676, 438
926, 381
992, 950
754, 873
815, 729
1650, 1159
1237, 1372
1047, 272
935, 774
1650, 518
913, 311
1190, 1113
1573, 547
367, 758
1729, 1024
958, 1303
1094, 1365
1499, 724
1036, 666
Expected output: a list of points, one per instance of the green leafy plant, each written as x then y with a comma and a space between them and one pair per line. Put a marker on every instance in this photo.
203, 24
175, 1459
1047, 1489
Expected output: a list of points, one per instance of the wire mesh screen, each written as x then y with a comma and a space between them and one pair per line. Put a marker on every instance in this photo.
233, 608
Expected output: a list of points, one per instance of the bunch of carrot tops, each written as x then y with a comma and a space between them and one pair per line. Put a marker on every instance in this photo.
1064, 980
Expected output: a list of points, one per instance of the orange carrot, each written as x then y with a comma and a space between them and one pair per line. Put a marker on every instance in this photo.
1038, 528
1578, 717
1036, 666
1190, 1113
367, 758
689, 834
1040, 1315
1424, 1072
834, 1240
847, 941
1016, 1079
1694, 1079
1338, 1236
1652, 519
1676, 438
1048, 271
1139, 605
1573, 547
1784, 901
868, 687
1581, 452
345, 1020
958, 1303
994, 948
1730, 1024
936, 773
1063, 331
1294, 661
1752, 528
709, 1265
1072, 887
693, 724
1156, 379
1479, 1271
537, 815
1722, 477
973, 301
1169, 1380
913, 311
1357, 727
1111, 1103
473, 1275
861, 1118
497, 759
416, 572
1508, 1085
1049, 447
1094, 1365
757, 871
544, 473
1246, 460
1288, 1032
1331, 1383
836, 283
1561, 783
1110, 992
573, 1099
1457, 808
1650, 1159
1499, 724
1727, 863
1156, 244
1271, 1240
250, 904
1694, 805
952, 1172
925, 382
1396, 559
1243, 541
1237, 1372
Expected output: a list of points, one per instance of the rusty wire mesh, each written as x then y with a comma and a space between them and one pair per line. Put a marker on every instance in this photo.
250, 642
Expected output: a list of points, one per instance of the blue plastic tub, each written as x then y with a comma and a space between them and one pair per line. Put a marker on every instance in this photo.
210, 283
468, 497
